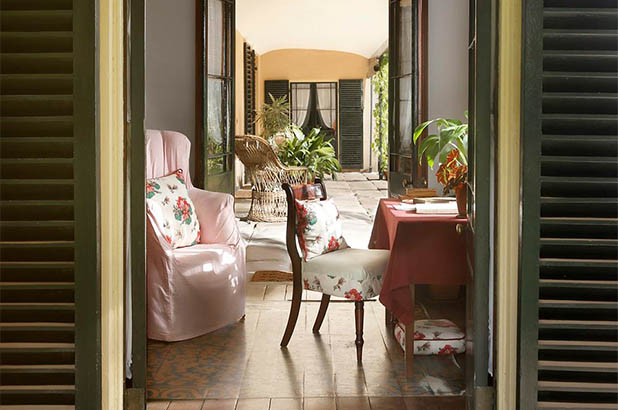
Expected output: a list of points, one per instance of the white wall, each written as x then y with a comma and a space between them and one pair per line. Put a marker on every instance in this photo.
448, 63
170, 67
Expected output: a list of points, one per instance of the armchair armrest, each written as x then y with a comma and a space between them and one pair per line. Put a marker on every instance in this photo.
215, 212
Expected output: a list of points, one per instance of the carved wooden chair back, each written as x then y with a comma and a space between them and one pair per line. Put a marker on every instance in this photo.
302, 192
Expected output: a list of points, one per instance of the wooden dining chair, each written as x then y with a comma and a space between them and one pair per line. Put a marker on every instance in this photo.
354, 274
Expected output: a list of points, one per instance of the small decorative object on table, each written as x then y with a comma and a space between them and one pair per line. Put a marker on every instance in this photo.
412, 193
449, 147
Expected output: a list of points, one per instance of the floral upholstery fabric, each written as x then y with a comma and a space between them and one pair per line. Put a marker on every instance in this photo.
351, 273
172, 210
433, 337
318, 225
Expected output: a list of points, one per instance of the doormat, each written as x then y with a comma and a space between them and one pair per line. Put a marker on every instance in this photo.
271, 276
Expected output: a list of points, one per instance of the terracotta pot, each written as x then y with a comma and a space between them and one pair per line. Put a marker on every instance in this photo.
461, 194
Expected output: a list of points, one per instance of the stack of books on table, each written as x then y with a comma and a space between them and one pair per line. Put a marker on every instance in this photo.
412, 193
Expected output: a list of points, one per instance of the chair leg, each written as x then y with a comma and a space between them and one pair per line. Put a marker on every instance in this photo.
359, 312
388, 318
321, 313
296, 297
409, 342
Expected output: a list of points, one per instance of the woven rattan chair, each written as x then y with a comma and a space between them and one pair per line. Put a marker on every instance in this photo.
267, 174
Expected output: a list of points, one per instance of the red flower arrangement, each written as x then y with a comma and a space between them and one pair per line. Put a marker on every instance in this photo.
452, 173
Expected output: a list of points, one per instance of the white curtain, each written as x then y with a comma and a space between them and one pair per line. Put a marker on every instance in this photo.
301, 105
324, 106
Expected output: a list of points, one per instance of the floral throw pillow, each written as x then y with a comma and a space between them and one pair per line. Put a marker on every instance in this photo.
171, 209
318, 225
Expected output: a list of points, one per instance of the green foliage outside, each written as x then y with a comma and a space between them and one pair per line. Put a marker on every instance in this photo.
311, 151
452, 134
380, 113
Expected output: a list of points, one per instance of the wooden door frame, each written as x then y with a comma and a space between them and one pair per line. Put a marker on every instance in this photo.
200, 180
420, 110
481, 107
86, 134
135, 157
531, 107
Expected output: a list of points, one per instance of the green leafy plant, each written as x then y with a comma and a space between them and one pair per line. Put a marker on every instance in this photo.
452, 134
380, 113
274, 116
312, 151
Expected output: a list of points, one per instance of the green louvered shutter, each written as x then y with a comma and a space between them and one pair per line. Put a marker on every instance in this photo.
351, 123
249, 72
569, 266
276, 88
47, 157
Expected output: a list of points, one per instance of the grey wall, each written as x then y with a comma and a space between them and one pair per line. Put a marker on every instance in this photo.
170, 67
448, 63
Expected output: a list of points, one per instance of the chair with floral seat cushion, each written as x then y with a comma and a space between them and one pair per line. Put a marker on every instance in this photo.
322, 261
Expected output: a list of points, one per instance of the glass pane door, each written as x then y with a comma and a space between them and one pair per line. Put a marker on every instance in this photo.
402, 87
404, 101
217, 100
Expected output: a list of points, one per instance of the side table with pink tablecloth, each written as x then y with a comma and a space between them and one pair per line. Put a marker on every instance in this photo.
425, 249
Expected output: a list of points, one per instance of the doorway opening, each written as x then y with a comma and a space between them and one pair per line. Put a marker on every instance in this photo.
242, 363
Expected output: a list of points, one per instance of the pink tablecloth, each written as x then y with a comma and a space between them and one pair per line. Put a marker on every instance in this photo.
425, 249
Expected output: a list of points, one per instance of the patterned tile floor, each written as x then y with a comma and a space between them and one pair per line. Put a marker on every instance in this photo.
243, 367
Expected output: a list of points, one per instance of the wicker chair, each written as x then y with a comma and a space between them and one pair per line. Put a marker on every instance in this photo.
267, 174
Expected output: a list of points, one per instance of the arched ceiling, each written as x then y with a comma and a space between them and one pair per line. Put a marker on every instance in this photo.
354, 26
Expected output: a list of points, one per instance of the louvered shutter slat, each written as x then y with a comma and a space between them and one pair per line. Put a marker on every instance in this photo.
351, 123
37, 189
577, 365
276, 88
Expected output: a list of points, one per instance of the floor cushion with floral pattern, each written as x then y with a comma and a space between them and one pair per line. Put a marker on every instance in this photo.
351, 273
437, 337
172, 211
318, 226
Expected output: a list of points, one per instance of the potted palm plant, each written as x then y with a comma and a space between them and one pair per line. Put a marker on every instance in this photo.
448, 148
275, 117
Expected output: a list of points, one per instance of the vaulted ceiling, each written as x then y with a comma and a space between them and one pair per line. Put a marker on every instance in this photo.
354, 26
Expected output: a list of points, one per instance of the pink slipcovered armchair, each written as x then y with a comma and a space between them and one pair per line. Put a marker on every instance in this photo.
196, 289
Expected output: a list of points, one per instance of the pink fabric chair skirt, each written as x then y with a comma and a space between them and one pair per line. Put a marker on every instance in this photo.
204, 292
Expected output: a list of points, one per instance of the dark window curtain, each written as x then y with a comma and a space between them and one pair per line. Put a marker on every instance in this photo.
314, 105
314, 118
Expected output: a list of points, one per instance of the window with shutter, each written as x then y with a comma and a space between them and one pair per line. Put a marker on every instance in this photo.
351, 123
48, 205
569, 268
276, 88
